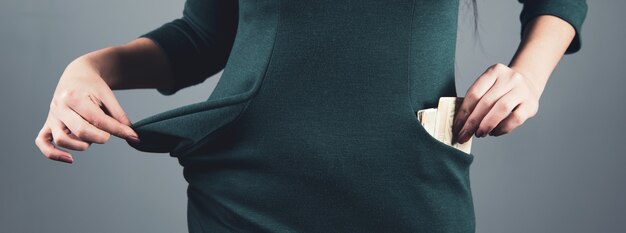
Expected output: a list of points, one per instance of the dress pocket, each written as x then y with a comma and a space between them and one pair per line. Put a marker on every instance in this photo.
182, 130
179, 129
453, 152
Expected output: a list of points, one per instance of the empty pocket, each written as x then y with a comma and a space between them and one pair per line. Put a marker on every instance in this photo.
179, 129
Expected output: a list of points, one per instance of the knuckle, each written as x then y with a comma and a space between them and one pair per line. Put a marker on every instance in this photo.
463, 112
486, 123
40, 138
472, 96
507, 130
96, 122
489, 128
533, 113
479, 128
498, 66
59, 140
485, 102
80, 134
38, 142
501, 107
83, 147
48, 154
506, 105
42, 132
102, 139
65, 94
80, 146
69, 97
81, 131
517, 77
534, 108
501, 66
517, 118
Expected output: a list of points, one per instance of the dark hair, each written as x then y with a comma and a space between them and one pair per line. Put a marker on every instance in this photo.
475, 10
467, 6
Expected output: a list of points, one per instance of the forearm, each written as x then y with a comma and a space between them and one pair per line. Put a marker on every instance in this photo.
544, 43
137, 64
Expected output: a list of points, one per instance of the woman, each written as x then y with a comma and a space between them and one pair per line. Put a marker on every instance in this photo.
312, 127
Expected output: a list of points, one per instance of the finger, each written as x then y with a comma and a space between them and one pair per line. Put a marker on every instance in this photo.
79, 126
92, 113
504, 83
519, 115
114, 108
500, 110
481, 109
43, 142
472, 96
61, 137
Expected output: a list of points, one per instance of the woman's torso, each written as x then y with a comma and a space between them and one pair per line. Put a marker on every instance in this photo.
312, 127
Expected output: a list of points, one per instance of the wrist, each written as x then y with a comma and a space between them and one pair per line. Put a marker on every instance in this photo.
102, 64
537, 80
81, 65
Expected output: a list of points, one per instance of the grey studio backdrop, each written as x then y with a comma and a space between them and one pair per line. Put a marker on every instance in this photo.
562, 171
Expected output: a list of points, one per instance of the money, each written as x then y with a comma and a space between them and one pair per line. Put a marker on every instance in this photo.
438, 122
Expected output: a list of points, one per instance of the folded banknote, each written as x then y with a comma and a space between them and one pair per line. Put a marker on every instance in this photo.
438, 122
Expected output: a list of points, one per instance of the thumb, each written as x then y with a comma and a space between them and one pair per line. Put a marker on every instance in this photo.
115, 109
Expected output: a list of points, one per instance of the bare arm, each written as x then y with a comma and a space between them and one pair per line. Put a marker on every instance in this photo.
177, 54
544, 43
504, 97
137, 64
84, 109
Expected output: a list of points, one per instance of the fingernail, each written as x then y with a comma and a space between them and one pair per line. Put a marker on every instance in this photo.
132, 133
465, 136
479, 134
134, 138
462, 136
66, 159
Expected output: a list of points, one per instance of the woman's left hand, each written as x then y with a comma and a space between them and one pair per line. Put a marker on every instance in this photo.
500, 100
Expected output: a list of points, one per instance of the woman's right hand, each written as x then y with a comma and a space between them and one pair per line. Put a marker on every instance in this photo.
83, 110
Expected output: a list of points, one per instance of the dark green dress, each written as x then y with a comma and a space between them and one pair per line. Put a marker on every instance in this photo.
312, 127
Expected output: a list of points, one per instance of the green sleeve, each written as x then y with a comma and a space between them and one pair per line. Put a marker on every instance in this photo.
197, 44
572, 11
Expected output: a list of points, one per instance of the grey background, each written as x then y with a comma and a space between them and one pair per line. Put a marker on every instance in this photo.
562, 171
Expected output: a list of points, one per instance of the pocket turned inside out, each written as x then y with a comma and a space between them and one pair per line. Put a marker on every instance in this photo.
180, 129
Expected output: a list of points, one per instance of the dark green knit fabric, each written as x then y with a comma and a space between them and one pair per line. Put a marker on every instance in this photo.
312, 127
572, 11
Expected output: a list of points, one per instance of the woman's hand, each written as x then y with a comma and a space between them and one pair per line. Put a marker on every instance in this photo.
83, 110
500, 100
503, 97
